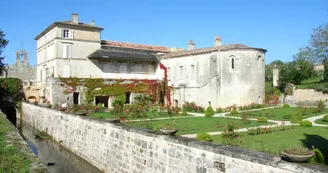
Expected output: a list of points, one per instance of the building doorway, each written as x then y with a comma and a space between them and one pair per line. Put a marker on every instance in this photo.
76, 98
102, 100
127, 97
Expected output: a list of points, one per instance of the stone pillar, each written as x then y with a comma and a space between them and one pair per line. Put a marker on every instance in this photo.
275, 76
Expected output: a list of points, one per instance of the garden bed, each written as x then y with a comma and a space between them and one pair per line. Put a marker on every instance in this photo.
320, 121
280, 113
197, 124
279, 140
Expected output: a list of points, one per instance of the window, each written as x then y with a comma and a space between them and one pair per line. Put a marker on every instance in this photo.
192, 71
66, 33
181, 72
259, 62
67, 50
232, 63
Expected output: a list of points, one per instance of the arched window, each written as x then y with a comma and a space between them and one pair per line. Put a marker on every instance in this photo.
259, 62
232, 63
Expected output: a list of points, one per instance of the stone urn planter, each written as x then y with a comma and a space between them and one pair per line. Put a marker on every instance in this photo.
114, 120
169, 131
298, 157
81, 113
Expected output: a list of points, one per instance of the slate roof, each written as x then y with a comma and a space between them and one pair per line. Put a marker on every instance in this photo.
80, 24
207, 50
161, 49
123, 55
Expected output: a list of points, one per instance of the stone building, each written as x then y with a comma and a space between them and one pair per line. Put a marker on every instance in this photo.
75, 49
222, 75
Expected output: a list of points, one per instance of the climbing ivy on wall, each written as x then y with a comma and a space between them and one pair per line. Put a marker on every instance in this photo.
114, 87
11, 87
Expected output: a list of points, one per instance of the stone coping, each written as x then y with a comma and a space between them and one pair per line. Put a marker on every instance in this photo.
227, 150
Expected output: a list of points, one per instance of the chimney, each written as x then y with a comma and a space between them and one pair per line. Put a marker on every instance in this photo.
217, 41
92, 23
75, 18
191, 45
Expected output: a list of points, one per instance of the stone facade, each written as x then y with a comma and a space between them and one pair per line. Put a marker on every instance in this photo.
222, 75
116, 148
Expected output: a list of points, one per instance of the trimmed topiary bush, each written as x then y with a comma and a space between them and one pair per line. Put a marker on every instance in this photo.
234, 113
209, 112
306, 123
262, 120
204, 137
296, 117
286, 106
325, 118
318, 158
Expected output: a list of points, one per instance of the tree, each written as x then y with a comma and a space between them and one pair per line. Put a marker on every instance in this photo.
3, 44
269, 68
317, 50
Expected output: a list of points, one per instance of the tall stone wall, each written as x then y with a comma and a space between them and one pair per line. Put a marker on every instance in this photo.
117, 148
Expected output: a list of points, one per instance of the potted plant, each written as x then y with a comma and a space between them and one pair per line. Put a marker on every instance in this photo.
169, 129
298, 154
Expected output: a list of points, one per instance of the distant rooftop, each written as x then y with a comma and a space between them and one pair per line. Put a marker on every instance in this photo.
162, 49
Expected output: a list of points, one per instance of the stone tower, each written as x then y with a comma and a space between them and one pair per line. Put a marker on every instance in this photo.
275, 76
19, 54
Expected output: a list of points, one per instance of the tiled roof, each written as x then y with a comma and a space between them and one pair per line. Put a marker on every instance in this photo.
135, 46
123, 55
66, 23
207, 50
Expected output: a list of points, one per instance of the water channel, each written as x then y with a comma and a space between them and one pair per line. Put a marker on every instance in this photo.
57, 158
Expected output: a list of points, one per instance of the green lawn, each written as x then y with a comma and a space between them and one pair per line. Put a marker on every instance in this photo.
11, 157
319, 121
278, 113
197, 124
310, 83
277, 141
148, 115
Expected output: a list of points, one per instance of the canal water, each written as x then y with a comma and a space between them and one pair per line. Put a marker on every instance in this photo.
56, 157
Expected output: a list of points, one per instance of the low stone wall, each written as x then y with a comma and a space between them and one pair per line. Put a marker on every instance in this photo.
306, 96
117, 148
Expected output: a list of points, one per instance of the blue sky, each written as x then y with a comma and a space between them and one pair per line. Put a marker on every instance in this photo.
280, 26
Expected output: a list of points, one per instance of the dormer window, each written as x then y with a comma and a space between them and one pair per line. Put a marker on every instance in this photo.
66, 33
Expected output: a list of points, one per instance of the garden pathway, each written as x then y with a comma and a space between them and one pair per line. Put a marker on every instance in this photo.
312, 119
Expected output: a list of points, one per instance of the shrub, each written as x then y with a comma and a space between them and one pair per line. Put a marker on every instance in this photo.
262, 120
325, 118
306, 123
184, 113
230, 132
296, 117
234, 113
157, 127
204, 137
192, 107
286, 106
209, 112
287, 116
219, 110
318, 158
299, 150
320, 107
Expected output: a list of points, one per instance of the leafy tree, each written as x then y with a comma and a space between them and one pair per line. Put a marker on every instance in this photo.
3, 44
269, 68
317, 50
